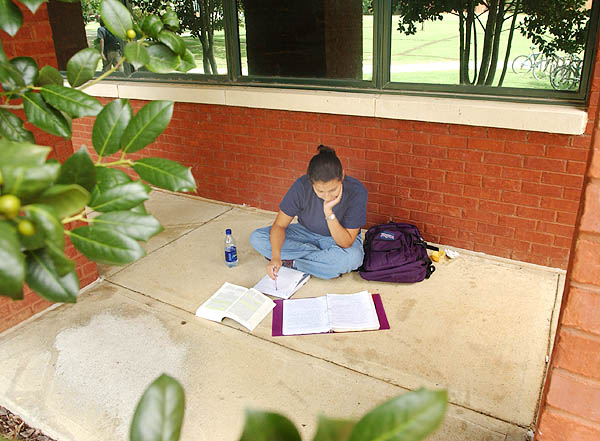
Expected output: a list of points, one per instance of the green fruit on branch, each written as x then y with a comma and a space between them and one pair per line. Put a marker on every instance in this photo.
10, 205
26, 227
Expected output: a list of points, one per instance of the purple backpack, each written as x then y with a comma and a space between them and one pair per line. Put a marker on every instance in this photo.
396, 252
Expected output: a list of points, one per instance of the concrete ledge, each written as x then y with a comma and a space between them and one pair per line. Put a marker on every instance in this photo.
484, 113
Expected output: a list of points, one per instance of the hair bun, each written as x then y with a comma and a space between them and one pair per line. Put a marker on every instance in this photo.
324, 149
325, 165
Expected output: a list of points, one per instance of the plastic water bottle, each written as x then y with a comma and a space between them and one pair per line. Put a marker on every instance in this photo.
231, 258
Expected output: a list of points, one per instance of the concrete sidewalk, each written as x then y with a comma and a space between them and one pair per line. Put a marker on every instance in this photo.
481, 327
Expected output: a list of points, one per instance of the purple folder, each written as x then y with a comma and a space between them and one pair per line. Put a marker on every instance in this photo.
277, 326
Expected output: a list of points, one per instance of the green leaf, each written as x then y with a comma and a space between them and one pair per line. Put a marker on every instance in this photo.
49, 75
106, 246
172, 41
268, 426
62, 263
12, 262
165, 174
109, 127
159, 413
71, 101
162, 59
170, 20
82, 66
3, 57
138, 30
136, 54
152, 25
47, 222
187, 62
19, 153
32, 5
28, 181
134, 225
11, 127
66, 200
68, 119
116, 17
409, 417
43, 116
120, 197
333, 429
139, 209
78, 169
107, 178
28, 68
146, 125
11, 17
110, 177
10, 77
42, 277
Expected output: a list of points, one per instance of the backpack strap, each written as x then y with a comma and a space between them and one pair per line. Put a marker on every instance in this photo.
430, 266
422, 242
430, 270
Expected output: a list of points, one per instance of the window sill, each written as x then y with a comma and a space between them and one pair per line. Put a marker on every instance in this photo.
484, 113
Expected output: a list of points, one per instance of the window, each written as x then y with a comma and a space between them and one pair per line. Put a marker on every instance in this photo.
514, 49
494, 46
307, 39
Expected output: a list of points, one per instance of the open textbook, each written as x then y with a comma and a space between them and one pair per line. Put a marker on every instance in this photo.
246, 306
288, 282
329, 313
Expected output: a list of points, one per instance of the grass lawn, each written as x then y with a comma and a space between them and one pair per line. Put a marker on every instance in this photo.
430, 56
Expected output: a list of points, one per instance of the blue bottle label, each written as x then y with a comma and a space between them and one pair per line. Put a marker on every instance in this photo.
231, 254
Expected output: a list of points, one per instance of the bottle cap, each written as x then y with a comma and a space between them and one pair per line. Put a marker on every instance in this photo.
228, 231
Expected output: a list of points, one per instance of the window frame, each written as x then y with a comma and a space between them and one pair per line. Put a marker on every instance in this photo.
380, 81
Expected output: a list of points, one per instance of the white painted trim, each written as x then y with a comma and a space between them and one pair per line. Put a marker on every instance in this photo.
483, 113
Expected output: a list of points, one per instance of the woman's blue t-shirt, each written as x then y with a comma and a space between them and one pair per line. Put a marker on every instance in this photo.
302, 201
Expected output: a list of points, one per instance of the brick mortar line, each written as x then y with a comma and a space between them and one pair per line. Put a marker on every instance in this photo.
581, 333
591, 237
578, 377
250, 334
586, 286
573, 416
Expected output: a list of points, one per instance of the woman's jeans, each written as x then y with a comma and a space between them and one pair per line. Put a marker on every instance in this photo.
312, 253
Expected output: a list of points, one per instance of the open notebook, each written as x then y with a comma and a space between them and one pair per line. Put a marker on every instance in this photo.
329, 313
288, 282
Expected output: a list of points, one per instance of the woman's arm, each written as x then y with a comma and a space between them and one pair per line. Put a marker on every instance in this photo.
277, 238
344, 237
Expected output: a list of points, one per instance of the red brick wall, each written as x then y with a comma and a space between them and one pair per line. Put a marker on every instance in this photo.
571, 409
34, 39
508, 193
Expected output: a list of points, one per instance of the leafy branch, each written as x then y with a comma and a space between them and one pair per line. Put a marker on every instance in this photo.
40, 196
408, 417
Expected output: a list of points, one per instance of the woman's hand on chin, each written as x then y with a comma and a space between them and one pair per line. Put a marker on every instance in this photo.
328, 206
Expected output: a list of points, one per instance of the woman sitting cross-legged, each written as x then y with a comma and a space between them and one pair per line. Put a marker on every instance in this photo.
331, 209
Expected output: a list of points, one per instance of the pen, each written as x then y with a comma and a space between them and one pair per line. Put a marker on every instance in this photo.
275, 284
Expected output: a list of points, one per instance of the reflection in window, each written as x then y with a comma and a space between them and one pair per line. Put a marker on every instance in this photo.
305, 38
201, 27
536, 44
521, 48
